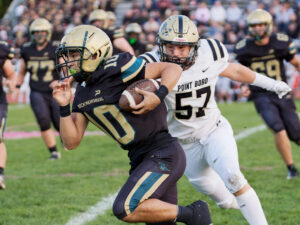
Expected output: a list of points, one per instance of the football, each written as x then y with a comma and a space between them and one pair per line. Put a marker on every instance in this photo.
130, 96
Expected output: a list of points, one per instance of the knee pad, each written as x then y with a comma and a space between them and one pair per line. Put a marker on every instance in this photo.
204, 185
235, 181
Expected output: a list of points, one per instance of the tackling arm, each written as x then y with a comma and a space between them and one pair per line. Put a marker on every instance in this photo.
241, 73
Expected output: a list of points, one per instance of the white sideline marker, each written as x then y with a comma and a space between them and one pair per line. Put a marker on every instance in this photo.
106, 203
249, 131
93, 211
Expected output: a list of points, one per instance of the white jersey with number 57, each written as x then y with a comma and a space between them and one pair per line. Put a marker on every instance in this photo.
192, 109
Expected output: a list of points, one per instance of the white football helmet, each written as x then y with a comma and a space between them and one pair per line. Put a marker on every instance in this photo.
93, 46
178, 30
40, 24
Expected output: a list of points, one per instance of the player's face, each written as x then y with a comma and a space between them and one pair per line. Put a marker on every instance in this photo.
72, 60
98, 23
178, 50
40, 36
258, 29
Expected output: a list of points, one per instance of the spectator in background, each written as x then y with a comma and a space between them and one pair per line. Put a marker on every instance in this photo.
151, 41
234, 13
98, 18
224, 90
163, 5
151, 25
202, 13
283, 16
218, 13
3, 33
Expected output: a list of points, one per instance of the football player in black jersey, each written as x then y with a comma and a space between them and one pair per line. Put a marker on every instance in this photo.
133, 31
99, 18
264, 52
157, 160
7, 70
38, 58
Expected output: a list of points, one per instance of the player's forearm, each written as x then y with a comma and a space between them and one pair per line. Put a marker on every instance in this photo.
170, 76
68, 132
21, 73
123, 45
239, 73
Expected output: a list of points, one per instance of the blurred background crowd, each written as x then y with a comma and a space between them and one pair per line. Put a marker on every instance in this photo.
223, 20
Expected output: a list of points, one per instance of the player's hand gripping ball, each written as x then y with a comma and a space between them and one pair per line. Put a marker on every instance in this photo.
130, 96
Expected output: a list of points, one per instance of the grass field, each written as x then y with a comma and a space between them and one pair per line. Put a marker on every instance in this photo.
43, 192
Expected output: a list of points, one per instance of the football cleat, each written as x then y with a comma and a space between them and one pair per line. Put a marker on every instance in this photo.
201, 215
2, 182
55, 155
292, 173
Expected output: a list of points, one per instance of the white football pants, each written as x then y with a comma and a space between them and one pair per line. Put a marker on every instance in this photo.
212, 165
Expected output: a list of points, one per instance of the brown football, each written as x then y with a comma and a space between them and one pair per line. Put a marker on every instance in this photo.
129, 95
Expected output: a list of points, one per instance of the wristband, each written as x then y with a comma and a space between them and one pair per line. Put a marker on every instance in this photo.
65, 110
18, 86
263, 81
162, 92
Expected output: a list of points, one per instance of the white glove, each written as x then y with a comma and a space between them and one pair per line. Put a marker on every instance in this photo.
281, 88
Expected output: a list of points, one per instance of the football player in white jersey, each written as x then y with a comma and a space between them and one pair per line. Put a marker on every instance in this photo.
194, 118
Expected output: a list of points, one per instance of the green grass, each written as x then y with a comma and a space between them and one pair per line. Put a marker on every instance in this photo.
43, 192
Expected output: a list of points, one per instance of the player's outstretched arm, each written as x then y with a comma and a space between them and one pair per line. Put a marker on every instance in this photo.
243, 74
72, 126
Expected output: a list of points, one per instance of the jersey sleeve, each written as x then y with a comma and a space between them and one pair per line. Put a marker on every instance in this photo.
217, 55
6, 51
118, 33
23, 49
238, 50
150, 57
286, 46
128, 66
291, 50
